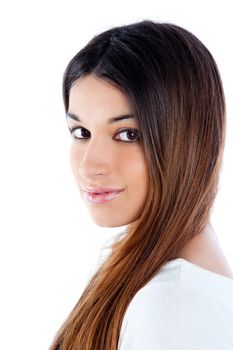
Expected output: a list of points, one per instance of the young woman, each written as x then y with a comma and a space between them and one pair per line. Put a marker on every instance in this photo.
145, 107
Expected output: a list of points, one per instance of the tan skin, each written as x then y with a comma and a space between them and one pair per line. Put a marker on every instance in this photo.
205, 251
99, 159
101, 154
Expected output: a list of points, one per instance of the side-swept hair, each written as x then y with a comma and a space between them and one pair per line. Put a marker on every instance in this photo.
175, 91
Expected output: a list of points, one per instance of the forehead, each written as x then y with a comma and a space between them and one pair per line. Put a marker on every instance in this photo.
92, 94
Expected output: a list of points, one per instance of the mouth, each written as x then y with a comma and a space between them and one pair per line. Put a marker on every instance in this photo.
101, 197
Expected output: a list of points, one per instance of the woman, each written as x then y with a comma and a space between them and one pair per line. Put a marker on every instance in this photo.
145, 107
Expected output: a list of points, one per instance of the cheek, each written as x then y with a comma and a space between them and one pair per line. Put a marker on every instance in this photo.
142, 178
136, 174
74, 158
135, 165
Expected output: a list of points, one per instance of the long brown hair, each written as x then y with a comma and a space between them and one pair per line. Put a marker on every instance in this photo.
174, 89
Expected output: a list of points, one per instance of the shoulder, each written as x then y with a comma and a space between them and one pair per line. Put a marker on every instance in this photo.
168, 300
167, 316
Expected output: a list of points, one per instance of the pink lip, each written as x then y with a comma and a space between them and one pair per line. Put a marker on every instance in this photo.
101, 195
101, 189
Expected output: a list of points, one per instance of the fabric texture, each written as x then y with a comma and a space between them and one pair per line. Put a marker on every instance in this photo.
183, 307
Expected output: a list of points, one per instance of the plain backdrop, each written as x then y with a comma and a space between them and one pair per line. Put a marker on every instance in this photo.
49, 246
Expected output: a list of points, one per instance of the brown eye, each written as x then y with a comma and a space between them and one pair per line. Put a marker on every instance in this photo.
80, 133
129, 135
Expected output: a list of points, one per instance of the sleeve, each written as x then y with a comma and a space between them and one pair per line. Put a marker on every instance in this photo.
169, 317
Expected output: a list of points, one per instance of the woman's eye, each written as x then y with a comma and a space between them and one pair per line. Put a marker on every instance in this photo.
126, 135
129, 135
80, 133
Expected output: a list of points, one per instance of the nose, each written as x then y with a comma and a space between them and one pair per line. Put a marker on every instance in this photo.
96, 159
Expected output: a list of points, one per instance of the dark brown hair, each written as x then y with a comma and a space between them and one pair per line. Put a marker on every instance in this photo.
174, 89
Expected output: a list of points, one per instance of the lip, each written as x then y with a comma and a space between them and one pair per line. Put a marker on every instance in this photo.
101, 195
101, 189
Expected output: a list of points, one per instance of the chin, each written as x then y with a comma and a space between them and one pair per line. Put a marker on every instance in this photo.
104, 223
112, 222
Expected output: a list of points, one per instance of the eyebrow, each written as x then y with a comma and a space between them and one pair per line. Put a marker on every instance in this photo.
110, 121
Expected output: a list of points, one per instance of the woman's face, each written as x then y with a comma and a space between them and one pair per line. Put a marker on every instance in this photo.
105, 154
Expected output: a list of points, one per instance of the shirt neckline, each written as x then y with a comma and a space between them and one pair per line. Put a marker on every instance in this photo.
201, 269
206, 281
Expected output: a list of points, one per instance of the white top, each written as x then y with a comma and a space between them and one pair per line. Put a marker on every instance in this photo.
183, 307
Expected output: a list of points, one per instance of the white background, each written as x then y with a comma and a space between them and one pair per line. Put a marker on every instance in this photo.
48, 244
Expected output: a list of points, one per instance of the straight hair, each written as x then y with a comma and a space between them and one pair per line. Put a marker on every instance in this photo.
175, 91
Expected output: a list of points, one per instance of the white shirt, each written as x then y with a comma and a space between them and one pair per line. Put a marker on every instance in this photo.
183, 307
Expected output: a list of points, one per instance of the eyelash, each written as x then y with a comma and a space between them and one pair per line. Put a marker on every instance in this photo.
120, 132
